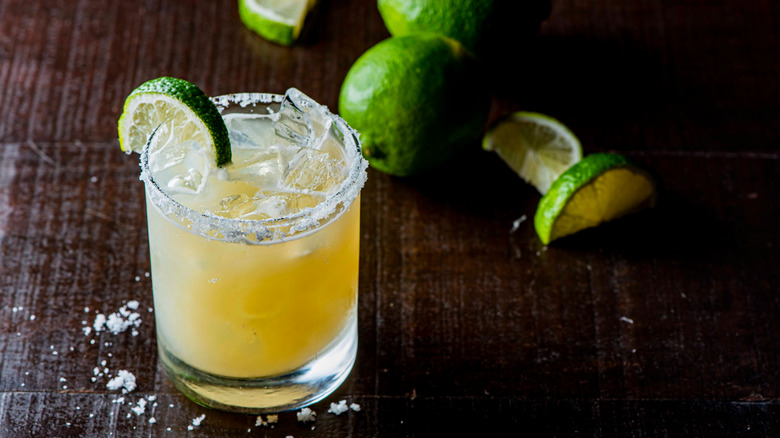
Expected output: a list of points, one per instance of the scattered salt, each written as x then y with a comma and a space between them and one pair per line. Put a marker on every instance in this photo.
355, 407
125, 380
339, 408
100, 322
196, 422
152, 420
517, 222
32, 317
305, 415
628, 320
140, 407
133, 304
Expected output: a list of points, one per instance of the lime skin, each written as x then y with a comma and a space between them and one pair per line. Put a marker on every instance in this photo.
416, 100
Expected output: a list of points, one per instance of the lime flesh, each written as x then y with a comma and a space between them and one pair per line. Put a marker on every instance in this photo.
537, 147
600, 188
180, 106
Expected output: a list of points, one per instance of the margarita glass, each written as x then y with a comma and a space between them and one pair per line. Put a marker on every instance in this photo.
255, 265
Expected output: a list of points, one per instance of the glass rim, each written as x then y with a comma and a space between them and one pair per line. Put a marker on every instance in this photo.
265, 230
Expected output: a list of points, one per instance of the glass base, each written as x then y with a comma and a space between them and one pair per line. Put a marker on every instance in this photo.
304, 386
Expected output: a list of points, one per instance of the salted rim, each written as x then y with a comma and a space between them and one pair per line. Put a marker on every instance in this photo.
266, 231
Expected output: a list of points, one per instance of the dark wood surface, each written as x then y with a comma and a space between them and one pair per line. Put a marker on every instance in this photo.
662, 324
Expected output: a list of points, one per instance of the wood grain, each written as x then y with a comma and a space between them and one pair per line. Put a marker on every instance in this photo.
662, 324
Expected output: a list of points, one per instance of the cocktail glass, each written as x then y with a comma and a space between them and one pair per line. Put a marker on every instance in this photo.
257, 315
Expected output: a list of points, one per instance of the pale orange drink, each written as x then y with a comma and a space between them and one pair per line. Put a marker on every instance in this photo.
255, 263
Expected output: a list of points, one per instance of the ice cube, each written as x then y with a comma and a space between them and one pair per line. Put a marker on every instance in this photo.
261, 167
181, 167
249, 130
301, 120
232, 207
191, 181
293, 122
278, 203
311, 170
163, 158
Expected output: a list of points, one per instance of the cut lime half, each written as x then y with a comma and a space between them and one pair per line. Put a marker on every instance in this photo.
600, 188
181, 107
279, 21
537, 147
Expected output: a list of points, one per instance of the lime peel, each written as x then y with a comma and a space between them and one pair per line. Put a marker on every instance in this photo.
600, 188
279, 21
179, 103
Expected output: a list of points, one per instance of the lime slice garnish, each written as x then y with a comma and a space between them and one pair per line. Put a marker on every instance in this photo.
183, 108
600, 188
537, 147
279, 21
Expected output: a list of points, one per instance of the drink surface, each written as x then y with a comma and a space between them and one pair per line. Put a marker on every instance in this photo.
250, 307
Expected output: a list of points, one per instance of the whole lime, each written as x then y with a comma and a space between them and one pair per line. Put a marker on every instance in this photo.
416, 100
480, 25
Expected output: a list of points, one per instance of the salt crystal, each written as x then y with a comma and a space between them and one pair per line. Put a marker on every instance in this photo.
133, 304
305, 415
32, 317
355, 407
124, 380
152, 420
140, 407
517, 222
100, 322
628, 320
196, 422
339, 408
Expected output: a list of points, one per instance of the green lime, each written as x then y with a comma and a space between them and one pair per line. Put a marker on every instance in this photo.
600, 188
179, 105
416, 100
477, 24
279, 21
537, 147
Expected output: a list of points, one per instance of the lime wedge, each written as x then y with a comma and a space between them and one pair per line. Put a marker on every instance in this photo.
182, 108
600, 188
279, 21
537, 147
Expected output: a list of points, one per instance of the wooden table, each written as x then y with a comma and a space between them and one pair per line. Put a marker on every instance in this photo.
663, 324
